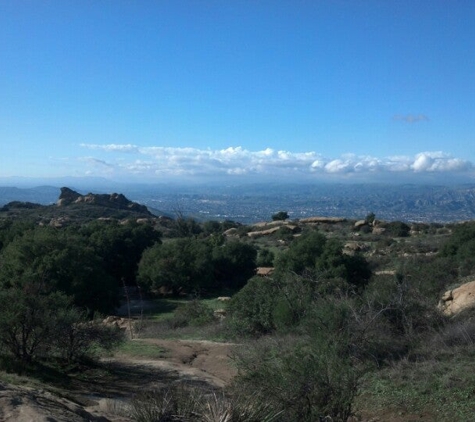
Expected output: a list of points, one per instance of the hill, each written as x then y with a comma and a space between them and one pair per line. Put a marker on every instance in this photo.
71, 206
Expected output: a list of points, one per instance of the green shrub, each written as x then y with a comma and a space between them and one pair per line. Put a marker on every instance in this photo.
36, 326
265, 258
398, 229
250, 311
194, 313
305, 378
184, 402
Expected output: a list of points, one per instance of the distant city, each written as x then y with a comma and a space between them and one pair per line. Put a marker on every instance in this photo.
253, 203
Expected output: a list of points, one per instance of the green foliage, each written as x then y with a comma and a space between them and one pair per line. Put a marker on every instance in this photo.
250, 312
307, 377
280, 216
177, 264
218, 227
461, 247
302, 253
429, 275
185, 403
59, 261
120, 246
398, 229
28, 321
284, 233
265, 258
440, 388
369, 219
313, 252
11, 228
187, 227
34, 325
197, 264
234, 263
194, 313
77, 337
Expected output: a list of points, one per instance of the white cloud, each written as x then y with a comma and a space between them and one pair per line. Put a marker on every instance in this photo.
112, 147
439, 162
155, 162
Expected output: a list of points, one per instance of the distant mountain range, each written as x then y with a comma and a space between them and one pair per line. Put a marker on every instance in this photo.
252, 203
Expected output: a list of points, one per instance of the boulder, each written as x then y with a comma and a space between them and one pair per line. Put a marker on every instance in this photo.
378, 230
263, 232
456, 300
318, 220
264, 271
231, 232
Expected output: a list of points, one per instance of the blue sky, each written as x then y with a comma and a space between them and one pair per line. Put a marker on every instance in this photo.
151, 91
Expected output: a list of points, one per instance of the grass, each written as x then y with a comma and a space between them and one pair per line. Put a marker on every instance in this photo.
140, 348
15, 379
443, 386
163, 308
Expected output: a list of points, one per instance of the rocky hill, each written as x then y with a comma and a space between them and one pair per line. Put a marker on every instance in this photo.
72, 206
114, 200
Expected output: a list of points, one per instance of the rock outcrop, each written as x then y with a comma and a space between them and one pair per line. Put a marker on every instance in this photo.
114, 200
455, 301
322, 220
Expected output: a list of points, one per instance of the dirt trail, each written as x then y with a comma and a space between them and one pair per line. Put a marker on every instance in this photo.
205, 360
96, 398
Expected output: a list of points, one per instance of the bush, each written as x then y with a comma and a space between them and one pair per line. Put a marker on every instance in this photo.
398, 229
280, 216
194, 313
305, 378
77, 338
250, 311
265, 258
313, 252
183, 402
34, 326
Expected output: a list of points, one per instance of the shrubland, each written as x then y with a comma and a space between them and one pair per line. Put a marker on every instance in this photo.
339, 328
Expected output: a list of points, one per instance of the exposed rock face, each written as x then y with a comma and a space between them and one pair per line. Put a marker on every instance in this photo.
23, 404
455, 301
114, 200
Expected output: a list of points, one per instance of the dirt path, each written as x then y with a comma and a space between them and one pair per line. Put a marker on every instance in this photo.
204, 360
98, 393
201, 363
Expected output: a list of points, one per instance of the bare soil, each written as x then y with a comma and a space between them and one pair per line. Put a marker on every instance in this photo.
95, 394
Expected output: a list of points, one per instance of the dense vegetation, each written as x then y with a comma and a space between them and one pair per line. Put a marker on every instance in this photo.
348, 310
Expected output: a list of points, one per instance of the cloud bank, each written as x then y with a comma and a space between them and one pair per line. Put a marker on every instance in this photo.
153, 163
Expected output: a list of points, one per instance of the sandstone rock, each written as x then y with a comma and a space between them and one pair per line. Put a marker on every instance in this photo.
263, 232
67, 196
316, 220
356, 246
114, 200
264, 271
456, 300
231, 232
378, 230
